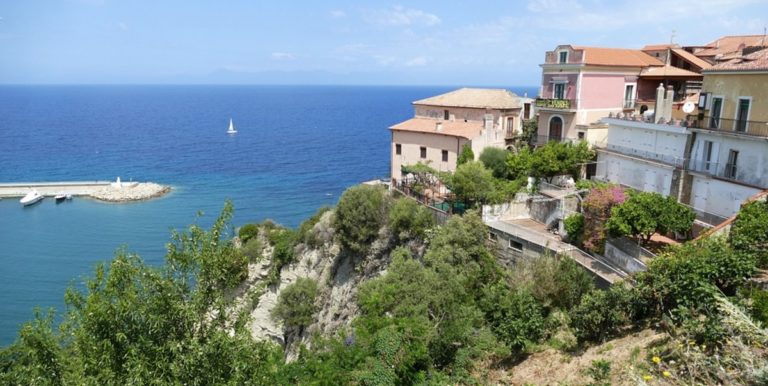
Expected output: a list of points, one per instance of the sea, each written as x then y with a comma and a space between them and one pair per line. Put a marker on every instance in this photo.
297, 149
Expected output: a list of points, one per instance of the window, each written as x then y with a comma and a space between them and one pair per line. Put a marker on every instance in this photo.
423, 152
707, 154
742, 114
445, 155
515, 245
492, 236
717, 107
559, 92
563, 57
398, 149
581, 135
629, 96
730, 167
446, 115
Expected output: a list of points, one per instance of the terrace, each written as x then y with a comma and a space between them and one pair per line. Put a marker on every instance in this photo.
736, 126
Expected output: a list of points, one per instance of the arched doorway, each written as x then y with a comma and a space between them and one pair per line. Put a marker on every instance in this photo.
555, 129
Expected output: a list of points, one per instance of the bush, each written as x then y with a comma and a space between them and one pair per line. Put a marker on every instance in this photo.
646, 213
601, 314
515, 317
574, 227
495, 160
748, 232
554, 282
597, 210
296, 304
306, 234
247, 232
253, 250
409, 220
472, 183
359, 215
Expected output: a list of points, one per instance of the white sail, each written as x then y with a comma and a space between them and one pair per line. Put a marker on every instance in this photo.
231, 129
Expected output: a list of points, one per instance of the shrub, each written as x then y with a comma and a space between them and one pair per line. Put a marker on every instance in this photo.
408, 219
748, 232
554, 282
305, 232
247, 232
296, 304
597, 210
253, 250
466, 155
574, 227
472, 183
646, 213
515, 317
495, 160
283, 240
601, 314
359, 215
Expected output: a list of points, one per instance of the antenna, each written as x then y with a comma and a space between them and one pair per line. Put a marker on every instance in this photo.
672, 37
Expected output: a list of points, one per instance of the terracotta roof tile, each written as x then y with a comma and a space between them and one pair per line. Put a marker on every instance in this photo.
475, 98
658, 47
667, 71
461, 129
728, 44
756, 61
617, 57
701, 63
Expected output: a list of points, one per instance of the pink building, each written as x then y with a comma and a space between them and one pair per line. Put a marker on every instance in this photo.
581, 85
443, 124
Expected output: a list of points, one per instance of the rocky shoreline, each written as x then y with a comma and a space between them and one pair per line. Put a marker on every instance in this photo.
130, 192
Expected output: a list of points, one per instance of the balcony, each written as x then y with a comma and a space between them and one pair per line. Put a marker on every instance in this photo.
725, 171
738, 126
669, 159
556, 104
629, 104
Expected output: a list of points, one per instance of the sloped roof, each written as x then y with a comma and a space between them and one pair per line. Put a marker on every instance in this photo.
667, 71
475, 98
727, 44
756, 61
701, 63
658, 47
461, 129
617, 57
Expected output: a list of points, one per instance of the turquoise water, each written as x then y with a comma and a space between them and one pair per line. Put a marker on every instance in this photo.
297, 149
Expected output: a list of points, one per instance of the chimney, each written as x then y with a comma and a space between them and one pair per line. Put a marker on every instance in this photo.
439, 126
668, 103
658, 111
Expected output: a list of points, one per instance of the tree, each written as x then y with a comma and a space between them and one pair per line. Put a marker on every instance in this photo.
559, 158
574, 228
646, 213
466, 155
359, 215
597, 207
472, 183
495, 160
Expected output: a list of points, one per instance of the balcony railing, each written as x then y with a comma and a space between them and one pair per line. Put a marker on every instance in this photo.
553, 103
645, 154
740, 126
726, 171
629, 103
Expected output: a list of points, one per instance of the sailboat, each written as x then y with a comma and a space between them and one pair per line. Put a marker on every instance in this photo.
231, 129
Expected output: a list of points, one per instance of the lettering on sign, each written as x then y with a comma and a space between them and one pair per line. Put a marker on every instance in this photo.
554, 103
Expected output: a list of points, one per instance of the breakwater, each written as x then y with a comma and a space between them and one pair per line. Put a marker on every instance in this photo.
99, 190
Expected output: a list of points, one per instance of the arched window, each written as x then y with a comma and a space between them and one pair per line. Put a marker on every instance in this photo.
555, 129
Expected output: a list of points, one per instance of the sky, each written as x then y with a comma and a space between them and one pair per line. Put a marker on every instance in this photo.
500, 42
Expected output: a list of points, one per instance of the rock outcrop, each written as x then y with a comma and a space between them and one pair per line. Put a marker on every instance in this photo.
130, 192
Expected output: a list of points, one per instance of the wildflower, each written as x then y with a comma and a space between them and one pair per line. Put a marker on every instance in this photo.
647, 377
666, 374
703, 346
656, 360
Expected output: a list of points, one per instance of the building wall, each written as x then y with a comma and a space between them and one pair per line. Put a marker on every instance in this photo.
720, 197
733, 86
635, 173
752, 162
601, 90
646, 142
500, 117
569, 123
548, 87
411, 153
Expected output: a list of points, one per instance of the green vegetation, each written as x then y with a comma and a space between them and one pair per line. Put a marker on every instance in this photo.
409, 220
748, 232
596, 207
495, 160
305, 232
646, 213
472, 183
466, 155
574, 228
247, 232
359, 215
552, 159
296, 304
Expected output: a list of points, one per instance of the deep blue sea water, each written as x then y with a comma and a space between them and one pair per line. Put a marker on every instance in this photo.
298, 148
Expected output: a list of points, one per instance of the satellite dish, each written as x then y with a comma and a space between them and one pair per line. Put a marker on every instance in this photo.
688, 107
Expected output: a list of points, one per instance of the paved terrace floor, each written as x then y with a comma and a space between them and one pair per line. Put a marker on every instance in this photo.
537, 233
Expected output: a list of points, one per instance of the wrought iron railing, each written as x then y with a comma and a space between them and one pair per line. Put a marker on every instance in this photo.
556, 103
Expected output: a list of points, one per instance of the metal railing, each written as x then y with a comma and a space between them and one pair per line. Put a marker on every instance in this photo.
629, 103
740, 126
645, 154
726, 171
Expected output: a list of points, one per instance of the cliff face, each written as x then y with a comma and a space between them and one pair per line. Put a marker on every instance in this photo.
338, 275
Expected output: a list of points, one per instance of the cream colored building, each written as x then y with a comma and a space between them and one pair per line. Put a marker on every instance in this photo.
444, 123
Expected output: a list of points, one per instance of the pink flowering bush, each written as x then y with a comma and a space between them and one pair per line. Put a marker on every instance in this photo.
597, 210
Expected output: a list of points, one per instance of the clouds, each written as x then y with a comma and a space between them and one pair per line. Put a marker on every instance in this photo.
282, 56
401, 16
337, 14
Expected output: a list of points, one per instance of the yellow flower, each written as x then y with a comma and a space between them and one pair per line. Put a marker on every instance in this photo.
666, 374
647, 377
656, 360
